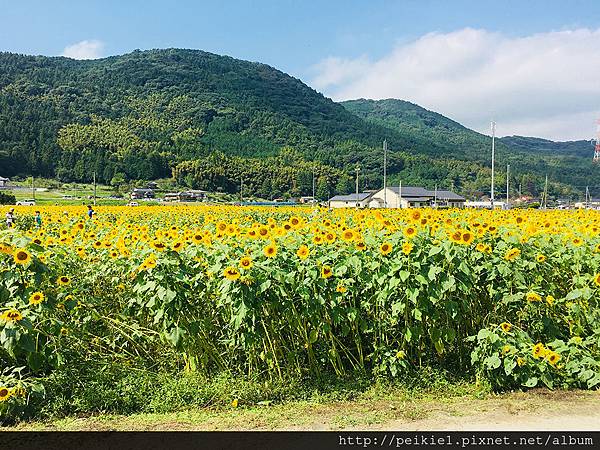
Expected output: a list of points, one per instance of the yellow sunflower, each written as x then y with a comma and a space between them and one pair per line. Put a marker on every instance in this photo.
533, 297
36, 298
231, 273
409, 232
5, 393
21, 256
63, 280
538, 351
12, 315
270, 250
552, 357
467, 237
303, 252
385, 248
246, 263
326, 272
348, 235
512, 254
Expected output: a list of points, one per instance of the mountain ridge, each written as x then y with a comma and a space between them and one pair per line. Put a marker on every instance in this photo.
144, 113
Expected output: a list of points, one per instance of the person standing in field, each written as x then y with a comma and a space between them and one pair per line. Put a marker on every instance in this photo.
38, 219
10, 218
90, 212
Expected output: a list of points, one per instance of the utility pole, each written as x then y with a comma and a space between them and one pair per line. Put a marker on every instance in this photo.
507, 183
519, 190
435, 197
32, 188
400, 194
546, 192
493, 151
313, 183
241, 189
95, 188
384, 173
587, 195
357, 171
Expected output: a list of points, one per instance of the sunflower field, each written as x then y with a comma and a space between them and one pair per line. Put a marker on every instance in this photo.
511, 297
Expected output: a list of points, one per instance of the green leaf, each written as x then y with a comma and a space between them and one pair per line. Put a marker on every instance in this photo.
175, 335
509, 365
417, 314
26, 343
434, 250
493, 362
483, 333
433, 271
531, 382
404, 274
573, 294
35, 361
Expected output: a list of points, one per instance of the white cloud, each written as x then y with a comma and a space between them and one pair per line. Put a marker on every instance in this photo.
545, 84
88, 49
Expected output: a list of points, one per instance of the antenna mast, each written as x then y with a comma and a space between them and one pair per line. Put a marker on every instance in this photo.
597, 149
546, 192
357, 172
507, 183
384, 173
493, 149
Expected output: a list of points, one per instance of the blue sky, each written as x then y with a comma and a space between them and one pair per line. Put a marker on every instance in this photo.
335, 46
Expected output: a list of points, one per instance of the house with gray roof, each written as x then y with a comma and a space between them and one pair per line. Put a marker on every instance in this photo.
350, 200
415, 197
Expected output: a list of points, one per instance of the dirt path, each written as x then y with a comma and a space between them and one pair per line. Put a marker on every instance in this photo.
534, 410
519, 412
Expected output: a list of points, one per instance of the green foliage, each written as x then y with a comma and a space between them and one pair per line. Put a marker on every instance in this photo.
468, 152
7, 198
144, 113
268, 177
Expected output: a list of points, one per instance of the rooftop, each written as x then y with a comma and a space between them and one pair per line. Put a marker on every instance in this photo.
416, 191
351, 197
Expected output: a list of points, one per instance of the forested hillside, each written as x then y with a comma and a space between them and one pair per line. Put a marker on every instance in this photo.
152, 114
530, 158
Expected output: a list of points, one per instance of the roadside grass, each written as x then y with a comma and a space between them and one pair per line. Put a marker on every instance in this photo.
121, 398
397, 411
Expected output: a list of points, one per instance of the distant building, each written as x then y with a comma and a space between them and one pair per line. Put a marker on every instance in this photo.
4, 182
486, 204
152, 185
307, 200
593, 203
142, 193
415, 197
185, 196
350, 201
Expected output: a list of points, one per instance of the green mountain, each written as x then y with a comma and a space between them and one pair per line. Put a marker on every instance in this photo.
212, 121
530, 159
578, 149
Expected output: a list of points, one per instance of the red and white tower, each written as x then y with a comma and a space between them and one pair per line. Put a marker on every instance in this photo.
597, 149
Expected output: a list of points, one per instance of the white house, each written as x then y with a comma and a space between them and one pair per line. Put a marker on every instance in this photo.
449, 199
4, 182
350, 201
414, 197
486, 205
